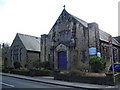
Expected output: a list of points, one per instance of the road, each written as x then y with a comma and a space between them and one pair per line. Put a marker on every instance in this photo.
12, 83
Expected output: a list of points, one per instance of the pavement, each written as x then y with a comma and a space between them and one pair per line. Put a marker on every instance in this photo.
50, 80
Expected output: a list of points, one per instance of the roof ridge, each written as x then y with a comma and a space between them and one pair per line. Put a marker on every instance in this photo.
104, 37
28, 35
80, 20
31, 43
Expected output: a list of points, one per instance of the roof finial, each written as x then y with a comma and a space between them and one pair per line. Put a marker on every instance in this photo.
64, 6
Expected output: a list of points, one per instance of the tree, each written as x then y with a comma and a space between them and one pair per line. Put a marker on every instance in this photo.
5, 50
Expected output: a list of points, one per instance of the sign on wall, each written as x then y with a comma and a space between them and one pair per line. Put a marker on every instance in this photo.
92, 51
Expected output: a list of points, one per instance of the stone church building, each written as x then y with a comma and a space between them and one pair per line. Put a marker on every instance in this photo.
25, 49
71, 42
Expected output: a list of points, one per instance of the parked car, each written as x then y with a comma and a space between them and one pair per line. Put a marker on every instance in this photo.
116, 67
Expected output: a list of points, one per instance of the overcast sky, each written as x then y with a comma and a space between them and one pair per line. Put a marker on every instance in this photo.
36, 17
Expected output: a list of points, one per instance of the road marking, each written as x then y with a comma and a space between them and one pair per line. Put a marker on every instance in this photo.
7, 84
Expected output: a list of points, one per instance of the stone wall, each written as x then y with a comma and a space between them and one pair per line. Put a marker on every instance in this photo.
94, 36
17, 47
101, 80
43, 47
82, 47
31, 57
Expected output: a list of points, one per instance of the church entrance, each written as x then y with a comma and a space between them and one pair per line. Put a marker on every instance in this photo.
62, 60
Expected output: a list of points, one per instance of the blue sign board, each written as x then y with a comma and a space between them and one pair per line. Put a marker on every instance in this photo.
92, 51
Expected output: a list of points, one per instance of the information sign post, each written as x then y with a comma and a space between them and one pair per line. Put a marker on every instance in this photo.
111, 55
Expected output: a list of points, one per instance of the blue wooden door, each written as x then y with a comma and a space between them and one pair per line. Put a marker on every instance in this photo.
62, 60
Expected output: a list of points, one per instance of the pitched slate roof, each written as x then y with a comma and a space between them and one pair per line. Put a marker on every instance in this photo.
104, 37
81, 21
78, 19
31, 43
117, 38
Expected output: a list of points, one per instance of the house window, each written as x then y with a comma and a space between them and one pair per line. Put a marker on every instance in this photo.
15, 52
20, 53
65, 36
83, 52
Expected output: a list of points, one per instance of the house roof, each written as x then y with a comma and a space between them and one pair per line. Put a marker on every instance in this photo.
117, 38
31, 43
104, 37
78, 19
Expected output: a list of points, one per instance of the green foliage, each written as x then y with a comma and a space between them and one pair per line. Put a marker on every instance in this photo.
40, 69
97, 64
38, 64
45, 65
23, 69
17, 65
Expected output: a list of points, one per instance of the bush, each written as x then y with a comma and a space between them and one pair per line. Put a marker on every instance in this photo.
45, 65
23, 69
17, 65
7, 69
20, 72
97, 64
38, 64
39, 73
39, 69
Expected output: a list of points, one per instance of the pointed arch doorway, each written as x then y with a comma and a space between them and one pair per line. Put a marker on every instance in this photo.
62, 60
